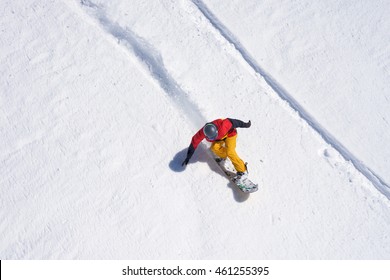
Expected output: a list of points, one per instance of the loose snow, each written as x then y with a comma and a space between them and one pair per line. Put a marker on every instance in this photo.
101, 98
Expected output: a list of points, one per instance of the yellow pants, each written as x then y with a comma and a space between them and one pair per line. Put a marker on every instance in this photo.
227, 149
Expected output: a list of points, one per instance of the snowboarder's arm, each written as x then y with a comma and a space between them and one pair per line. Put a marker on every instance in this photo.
239, 123
196, 139
190, 152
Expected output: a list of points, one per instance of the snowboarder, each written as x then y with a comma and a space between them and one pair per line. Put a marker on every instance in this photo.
222, 134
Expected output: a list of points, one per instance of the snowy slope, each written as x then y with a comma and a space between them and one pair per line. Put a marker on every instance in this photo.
99, 102
336, 69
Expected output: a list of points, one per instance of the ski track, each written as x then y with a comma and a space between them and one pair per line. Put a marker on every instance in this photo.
375, 179
150, 58
153, 62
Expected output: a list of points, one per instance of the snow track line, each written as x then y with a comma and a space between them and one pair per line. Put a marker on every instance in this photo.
375, 179
150, 59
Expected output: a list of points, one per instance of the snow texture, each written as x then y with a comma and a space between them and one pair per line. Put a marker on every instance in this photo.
99, 101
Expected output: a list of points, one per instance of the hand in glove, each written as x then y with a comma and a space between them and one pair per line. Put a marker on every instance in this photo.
248, 124
185, 162
190, 152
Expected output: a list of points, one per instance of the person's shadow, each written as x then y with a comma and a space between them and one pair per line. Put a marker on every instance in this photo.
203, 154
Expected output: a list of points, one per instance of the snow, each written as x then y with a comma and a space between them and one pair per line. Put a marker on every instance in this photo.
101, 98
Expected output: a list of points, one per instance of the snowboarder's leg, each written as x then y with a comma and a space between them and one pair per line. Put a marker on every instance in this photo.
219, 149
238, 163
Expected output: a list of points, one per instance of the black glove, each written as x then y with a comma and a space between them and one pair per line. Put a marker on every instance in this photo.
248, 124
190, 152
185, 162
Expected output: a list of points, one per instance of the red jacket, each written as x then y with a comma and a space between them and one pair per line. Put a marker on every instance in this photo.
226, 128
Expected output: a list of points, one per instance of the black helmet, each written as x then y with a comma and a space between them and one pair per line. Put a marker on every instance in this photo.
210, 130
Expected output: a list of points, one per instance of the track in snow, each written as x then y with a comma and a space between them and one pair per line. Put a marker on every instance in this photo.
375, 179
150, 58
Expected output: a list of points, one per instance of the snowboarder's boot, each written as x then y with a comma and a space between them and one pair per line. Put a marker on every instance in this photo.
219, 160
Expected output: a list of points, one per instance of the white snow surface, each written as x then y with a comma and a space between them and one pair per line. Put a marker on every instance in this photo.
99, 101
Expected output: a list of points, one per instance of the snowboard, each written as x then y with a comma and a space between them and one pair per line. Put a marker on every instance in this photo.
246, 186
